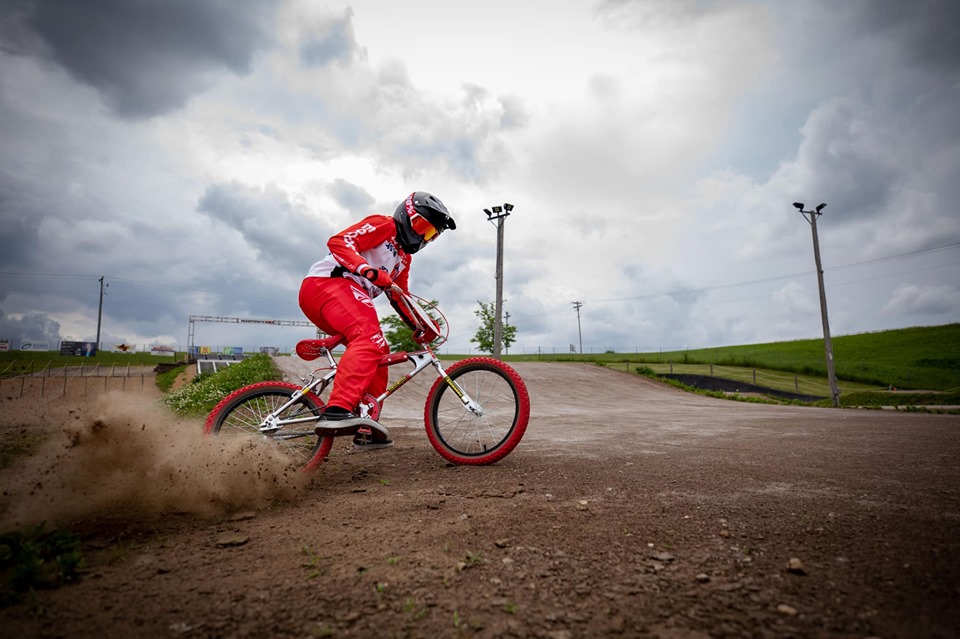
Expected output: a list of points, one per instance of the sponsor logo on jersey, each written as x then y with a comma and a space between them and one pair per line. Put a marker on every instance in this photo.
348, 238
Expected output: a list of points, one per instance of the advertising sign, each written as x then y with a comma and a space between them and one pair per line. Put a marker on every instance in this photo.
34, 345
4, 345
76, 349
232, 350
159, 349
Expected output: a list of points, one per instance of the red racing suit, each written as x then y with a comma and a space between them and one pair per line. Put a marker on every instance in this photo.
340, 301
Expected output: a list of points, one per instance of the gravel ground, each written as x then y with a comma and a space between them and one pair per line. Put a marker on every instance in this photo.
630, 509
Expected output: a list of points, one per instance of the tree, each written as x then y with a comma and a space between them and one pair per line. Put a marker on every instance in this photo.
399, 335
484, 336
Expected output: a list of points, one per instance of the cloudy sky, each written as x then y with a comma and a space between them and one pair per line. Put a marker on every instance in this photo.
198, 153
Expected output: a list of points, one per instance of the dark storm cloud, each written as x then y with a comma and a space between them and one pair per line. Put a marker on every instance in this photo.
926, 31
148, 57
351, 197
21, 210
33, 326
268, 223
884, 148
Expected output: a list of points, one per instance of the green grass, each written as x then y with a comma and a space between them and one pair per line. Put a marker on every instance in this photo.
13, 363
199, 397
649, 372
777, 380
34, 559
920, 358
166, 379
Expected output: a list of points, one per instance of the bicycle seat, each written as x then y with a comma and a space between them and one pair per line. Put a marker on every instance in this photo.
310, 349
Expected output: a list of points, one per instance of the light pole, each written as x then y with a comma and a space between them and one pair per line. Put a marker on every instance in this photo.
498, 216
811, 217
99, 314
576, 307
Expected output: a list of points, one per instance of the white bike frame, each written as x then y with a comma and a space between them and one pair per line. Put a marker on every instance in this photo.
316, 385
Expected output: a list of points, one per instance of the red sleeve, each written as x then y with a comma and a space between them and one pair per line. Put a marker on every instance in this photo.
371, 231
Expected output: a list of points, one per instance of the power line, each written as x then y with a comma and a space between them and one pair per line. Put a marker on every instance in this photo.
780, 277
834, 285
898, 256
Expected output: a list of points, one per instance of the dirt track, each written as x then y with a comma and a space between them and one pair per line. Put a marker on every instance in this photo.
630, 510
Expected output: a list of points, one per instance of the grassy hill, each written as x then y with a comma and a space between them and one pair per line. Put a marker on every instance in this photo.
920, 358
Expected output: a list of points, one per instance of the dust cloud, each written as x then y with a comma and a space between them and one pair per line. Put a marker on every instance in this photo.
120, 456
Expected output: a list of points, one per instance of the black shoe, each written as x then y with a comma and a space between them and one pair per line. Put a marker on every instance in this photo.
336, 414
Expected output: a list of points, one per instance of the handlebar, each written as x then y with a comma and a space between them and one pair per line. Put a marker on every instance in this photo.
427, 329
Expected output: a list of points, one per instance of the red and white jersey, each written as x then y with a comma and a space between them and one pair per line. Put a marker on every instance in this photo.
373, 241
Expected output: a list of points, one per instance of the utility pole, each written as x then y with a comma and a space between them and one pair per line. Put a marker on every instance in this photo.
498, 216
576, 307
811, 217
99, 314
506, 323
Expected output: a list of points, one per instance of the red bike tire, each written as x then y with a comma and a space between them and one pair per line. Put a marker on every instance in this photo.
310, 458
481, 373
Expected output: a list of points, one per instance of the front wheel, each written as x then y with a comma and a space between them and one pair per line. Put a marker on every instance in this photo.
462, 436
242, 413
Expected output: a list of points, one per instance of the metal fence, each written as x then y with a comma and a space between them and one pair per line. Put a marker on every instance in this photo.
78, 381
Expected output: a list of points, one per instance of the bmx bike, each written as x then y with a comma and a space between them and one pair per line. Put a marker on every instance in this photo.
476, 412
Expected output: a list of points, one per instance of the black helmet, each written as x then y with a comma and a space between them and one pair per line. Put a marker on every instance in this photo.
420, 219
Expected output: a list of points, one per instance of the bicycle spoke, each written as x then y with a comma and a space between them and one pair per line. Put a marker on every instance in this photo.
484, 436
243, 414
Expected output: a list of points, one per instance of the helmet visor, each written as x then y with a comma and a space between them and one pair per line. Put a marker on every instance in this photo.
422, 227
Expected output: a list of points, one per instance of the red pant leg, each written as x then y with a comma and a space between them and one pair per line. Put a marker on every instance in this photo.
339, 306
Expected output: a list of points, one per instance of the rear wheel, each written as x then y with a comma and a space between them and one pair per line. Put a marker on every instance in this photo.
242, 413
464, 437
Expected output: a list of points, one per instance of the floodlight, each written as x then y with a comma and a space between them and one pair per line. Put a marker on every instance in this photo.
487, 211
811, 218
498, 209
508, 207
